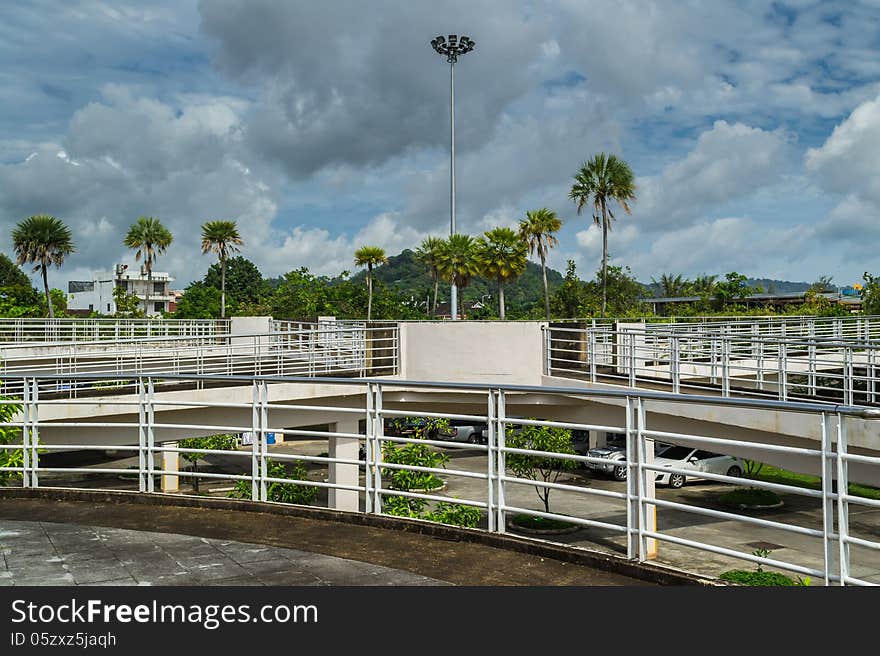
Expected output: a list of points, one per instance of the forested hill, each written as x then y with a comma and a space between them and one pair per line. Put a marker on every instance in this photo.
410, 278
778, 286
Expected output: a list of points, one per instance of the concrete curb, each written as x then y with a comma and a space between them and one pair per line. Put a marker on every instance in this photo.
659, 574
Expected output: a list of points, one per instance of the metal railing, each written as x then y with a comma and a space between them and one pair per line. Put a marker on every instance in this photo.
836, 369
150, 424
290, 350
25, 330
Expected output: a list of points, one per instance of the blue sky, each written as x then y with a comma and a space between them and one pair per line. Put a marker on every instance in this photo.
753, 127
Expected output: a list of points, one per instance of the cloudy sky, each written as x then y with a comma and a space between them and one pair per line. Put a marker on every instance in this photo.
753, 127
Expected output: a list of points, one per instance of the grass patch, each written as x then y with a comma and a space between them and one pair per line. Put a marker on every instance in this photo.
772, 474
749, 496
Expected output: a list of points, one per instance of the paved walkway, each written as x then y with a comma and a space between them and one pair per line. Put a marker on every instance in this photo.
44, 553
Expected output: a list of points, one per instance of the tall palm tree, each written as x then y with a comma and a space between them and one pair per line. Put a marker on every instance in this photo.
537, 231
457, 262
150, 239
502, 257
703, 285
369, 256
427, 255
222, 238
42, 240
603, 179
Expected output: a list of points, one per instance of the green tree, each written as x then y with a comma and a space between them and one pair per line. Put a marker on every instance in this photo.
457, 262
245, 285
546, 469
538, 230
369, 256
126, 304
734, 287
603, 179
871, 294
427, 255
10, 436
149, 238
223, 442
42, 240
199, 301
221, 237
11, 274
670, 286
567, 299
501, 256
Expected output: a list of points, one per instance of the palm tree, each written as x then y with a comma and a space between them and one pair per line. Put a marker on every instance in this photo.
602, 179
703, 285
502, 256
222, 238
42, 240
457, 262
151, 239
369, 256
427, 255
670, 286
537, 231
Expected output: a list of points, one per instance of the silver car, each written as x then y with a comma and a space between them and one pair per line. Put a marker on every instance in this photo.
696, 461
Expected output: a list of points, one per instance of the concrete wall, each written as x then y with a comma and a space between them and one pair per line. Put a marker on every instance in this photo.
473, 351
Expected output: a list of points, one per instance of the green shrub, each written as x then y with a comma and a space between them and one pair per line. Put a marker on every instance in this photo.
403, 506
415, 455
223, 442
540, 468
744, 577
9, 436
281, 492
749, 496
456, 514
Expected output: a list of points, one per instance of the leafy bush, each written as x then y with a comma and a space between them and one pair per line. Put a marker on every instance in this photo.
403, 506
281, 492
456, 514
10, 436
414, 455
744, 577
223, 442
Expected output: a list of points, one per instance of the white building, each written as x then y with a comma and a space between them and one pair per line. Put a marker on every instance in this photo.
96, 295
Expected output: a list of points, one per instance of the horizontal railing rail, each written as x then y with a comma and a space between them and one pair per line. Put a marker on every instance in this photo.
28, 330
486, 482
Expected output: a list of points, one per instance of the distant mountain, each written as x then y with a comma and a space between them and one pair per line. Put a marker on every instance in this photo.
778, 286
408, 277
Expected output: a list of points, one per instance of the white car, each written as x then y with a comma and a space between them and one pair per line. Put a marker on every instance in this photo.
695, 460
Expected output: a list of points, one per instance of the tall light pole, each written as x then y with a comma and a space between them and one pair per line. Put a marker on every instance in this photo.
452, 48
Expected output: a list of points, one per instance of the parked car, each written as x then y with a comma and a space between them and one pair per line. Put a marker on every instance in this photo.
460, 430
614, 452
696, 460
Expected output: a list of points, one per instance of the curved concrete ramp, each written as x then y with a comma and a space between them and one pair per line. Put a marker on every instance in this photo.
388, 550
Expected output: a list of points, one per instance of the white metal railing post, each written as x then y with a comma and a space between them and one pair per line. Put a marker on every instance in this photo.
501, 461
378, 435
675, 363
264, 444
591, 353
632, 527
34, 416
142, 436
849, 394
151, 436
827, 497
632, 359
255, 441
368, 450
782, 357
842, 502
545, 331
26, 433
642, 481
491, 473
760, 366
725, 366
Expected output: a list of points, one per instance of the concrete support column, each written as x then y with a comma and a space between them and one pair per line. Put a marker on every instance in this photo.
598, 439
343, 473
170, 462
